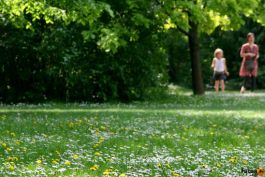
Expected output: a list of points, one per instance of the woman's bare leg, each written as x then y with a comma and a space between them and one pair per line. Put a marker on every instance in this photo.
216, 86
223, 85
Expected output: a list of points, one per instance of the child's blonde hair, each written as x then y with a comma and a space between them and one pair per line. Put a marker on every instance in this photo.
218, 51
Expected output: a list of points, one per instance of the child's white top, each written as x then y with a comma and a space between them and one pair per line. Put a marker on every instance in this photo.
219, 65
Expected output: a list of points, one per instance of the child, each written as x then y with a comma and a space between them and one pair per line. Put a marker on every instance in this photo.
220, 69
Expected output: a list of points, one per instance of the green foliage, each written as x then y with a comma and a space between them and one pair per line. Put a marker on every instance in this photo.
226, 14
79, 50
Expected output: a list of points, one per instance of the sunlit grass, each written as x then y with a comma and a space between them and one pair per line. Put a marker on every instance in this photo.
213, 135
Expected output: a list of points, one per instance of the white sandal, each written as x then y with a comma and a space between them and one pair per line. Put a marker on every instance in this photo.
242, 90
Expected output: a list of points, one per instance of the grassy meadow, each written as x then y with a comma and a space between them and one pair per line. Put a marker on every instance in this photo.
213, 135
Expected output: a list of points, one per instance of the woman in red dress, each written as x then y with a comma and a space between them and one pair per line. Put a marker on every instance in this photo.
249, 66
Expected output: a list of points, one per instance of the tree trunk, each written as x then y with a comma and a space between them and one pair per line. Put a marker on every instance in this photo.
197, 81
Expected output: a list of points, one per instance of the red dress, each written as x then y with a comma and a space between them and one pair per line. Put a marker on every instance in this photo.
247, 49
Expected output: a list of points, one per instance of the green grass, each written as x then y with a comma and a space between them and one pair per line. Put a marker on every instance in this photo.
213, 135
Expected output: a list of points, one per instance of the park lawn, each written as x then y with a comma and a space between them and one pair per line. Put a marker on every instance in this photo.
212, 135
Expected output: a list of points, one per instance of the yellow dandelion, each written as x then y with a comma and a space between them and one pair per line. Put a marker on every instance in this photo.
4, 145
18, 142
233, 159
8, 149
245, 162
12, 159
97, 154
94, 167
95, 145
75, 156
97, 131
175, 174
159, 165
103, 128
219, 165
101, 139
122, 175
11, 167
67, 162
39, 162
55, 161
107, 171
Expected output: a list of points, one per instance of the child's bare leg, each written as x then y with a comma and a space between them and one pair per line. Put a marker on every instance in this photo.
223, 85
216, 86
